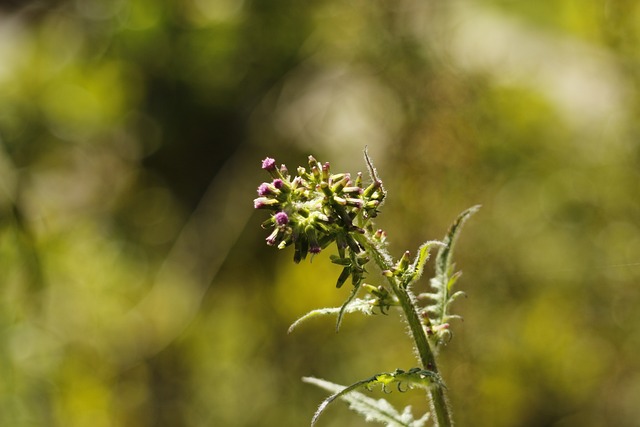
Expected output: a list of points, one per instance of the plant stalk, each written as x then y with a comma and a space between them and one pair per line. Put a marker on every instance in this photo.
427, 357
439, 405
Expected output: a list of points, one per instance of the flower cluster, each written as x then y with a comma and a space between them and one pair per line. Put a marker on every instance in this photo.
315, 208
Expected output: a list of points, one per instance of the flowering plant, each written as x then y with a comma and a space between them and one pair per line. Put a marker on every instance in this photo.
316, 208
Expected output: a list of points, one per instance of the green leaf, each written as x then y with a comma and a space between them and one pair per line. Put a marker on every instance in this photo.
346, 272
377, 410
443, 259
352, 295
340, 260
442, 283
364, 306
417, 268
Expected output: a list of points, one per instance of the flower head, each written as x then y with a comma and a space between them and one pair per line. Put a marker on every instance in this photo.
263, 189
281, 218
316, 208
268, 164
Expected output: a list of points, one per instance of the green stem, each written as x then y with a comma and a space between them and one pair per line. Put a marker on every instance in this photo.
437, 394
427, 357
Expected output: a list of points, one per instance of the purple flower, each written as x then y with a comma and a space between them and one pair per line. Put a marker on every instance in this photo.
315, 249
268, 164
278, 183
272, 188
281, 218
264, 189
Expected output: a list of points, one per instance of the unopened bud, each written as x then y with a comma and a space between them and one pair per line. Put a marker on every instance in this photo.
358, 182
325, 172
380, 235
403, 264
265, 203
368, 192
356, 190
339, 185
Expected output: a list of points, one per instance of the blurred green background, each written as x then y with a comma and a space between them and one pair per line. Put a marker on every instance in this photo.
136, 288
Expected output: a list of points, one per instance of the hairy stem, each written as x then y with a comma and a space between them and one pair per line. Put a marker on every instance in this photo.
439, 403
427, 357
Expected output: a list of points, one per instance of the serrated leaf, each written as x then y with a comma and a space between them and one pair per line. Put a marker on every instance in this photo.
453, 316
443, 259
364, 306
453, 279
417, 268
456, 295
445, 278
378, 410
